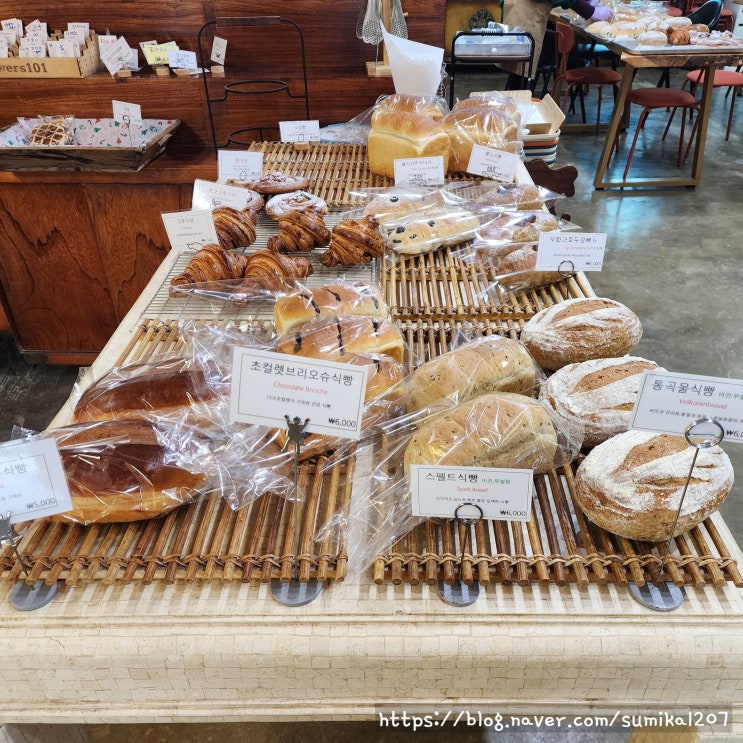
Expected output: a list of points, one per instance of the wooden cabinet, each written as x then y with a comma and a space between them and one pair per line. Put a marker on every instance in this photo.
77, 248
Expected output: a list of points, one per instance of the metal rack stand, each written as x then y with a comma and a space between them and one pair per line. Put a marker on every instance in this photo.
257, 86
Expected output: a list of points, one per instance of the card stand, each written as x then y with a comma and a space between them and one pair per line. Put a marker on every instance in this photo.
460, 593
24, 596
295, 592
566, 269
668, 596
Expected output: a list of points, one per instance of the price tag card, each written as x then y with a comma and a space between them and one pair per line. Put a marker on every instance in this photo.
129, 113
30, 49
209, 195
190, 230
494, 164
219, 50
180, 59
115, 56
157, 54
79, 28
13, 26
502, 494
419, 171
669, 402
63, 48
74, 35
32, 480
299, 131
571, 251
4, 46
239, 165
268, 386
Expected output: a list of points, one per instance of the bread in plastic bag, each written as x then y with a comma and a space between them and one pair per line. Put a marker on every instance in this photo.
354, 241
511, 266
52, 131
433, 230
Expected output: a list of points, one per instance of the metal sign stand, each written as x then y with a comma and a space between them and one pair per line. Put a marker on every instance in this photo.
460, 593
23, 596
669, 596
296, 592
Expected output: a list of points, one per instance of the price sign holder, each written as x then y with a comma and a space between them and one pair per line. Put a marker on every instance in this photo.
460, 593
669, 596
295, 592
566, 269
23, 596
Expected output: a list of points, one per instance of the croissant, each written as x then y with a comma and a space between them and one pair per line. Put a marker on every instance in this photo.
678, 36
298, 232
266, 270
235, 228
354, 241
211, 263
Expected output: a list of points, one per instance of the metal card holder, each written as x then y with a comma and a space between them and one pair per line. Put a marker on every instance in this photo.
668, 596
460, 593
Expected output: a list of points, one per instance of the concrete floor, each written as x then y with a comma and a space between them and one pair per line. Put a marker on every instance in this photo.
673, 256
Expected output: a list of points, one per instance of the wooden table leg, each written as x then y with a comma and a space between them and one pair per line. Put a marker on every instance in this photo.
705, 105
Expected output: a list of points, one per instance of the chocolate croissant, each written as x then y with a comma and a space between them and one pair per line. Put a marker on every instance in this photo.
235, 228
211, 263
299, 232
354, 241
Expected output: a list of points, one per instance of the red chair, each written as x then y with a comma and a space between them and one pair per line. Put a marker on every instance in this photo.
576, 79
729, 79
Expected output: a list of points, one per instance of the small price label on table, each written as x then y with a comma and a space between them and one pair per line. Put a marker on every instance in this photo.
209, 195
572, 251
190, 230
129, 113
419, 171
267, 387
181, 59
239, 165
495, 164
669, 402
299, 131
501, 494
32, 480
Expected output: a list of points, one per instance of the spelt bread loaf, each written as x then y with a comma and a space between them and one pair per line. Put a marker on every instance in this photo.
632, 484
498, 429
580, 329
489, 364
599, 393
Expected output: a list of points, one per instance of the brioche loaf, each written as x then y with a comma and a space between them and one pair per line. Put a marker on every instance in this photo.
117, 471
489, 364
498, 429
403, 135
408, 103
580, 329
390, 207
632, 484
331, 299
432, 231
600, 393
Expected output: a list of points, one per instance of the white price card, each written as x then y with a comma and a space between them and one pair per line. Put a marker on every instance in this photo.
80, 27
32, 480
268, 387
495, 164
13, 26
209, 195
190, 230
570, 251
3, 46
299, 131
180, 59
115, 56
668, 403
419, 171
128, 113
219, 50
501, 494
239, 165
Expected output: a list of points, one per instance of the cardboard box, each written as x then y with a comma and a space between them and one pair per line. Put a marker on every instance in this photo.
88, 63
545, 116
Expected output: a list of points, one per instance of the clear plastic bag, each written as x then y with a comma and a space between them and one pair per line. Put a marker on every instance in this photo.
52, 131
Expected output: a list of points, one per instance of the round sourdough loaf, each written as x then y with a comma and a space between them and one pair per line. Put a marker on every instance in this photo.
632, 484
580, 329
599, 393
498, 429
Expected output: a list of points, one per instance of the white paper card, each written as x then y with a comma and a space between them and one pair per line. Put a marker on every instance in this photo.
267, 387
299, 131
669, 403
32, 480
28, 49
209, 195
115, 56
570, 251
14, 26
3, 46
181, 59
79, 28
502, 494
128, 113
219, 50
190, 230
490, 163
143, 44
419, 171
239, 165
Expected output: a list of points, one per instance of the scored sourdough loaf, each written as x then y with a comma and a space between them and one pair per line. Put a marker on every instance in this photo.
497, 429
118, 471
580, 329
631, 485
489, 364
330, 299
599, 393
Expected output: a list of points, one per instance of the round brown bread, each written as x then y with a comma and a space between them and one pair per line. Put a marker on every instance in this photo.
632, 484
489, 364
599, 393
580, 329
498, 429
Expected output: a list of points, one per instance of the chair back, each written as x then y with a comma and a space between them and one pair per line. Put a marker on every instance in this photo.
564, 44
708, 14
